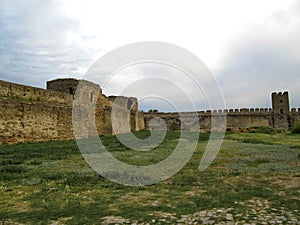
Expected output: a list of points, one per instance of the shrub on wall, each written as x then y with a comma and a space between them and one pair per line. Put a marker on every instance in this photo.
296, 128
153, 110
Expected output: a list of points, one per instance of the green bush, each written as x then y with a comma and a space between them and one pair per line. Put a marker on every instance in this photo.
153, 110
252, 141
265, 130
296, 128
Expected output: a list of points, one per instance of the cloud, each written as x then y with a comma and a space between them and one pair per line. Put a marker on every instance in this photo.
164, 87
253, 47
262, 60
36, 45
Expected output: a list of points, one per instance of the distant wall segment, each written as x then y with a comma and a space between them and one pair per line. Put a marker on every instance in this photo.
279, 116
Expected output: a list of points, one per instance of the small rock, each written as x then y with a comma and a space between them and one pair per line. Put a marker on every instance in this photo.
229, 217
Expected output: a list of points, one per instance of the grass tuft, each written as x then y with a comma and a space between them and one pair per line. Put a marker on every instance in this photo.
296, 128
265, 130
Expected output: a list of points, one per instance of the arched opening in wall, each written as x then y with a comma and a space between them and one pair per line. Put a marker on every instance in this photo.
281, 110
129, 104
281, 101
71, 91
91, 96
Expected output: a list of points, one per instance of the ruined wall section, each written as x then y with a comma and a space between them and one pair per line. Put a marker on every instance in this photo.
124, 114
23, 122
18, 92
96, 108
141, 120
70, 85
171, 119
34, 114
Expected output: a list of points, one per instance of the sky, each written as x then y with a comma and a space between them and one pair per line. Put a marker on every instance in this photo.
250, 47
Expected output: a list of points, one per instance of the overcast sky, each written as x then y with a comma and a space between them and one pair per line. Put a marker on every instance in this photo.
252, 47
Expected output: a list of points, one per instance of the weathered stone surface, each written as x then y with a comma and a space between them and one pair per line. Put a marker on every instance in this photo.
34, 114
237, 120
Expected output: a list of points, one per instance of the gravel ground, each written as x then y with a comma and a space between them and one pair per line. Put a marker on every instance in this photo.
256, 212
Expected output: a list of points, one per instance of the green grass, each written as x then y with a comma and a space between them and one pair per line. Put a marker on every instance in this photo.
265, 130
289, 139
296, 128
41, 183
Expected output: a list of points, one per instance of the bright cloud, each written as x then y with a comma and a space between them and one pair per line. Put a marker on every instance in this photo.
252, 47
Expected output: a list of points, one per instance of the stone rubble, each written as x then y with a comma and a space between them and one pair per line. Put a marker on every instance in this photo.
256, 212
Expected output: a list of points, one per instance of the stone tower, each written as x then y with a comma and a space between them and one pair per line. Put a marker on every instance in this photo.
69, 86
280, 102
281, 110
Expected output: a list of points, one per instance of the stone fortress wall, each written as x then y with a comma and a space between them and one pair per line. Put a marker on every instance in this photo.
35, 114
279, 116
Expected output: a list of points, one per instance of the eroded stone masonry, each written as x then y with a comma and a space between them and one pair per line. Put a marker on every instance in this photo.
35, 114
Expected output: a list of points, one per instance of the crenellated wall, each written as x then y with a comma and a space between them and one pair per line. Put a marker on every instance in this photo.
35, 114
294, 116
236, 119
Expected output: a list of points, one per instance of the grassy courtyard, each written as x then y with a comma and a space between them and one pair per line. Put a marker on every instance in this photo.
255, 178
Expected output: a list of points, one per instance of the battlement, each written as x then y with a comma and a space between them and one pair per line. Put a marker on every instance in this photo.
241, 111
294, 110
236, 111
280, 103
285, 93
279, 116
220, 112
